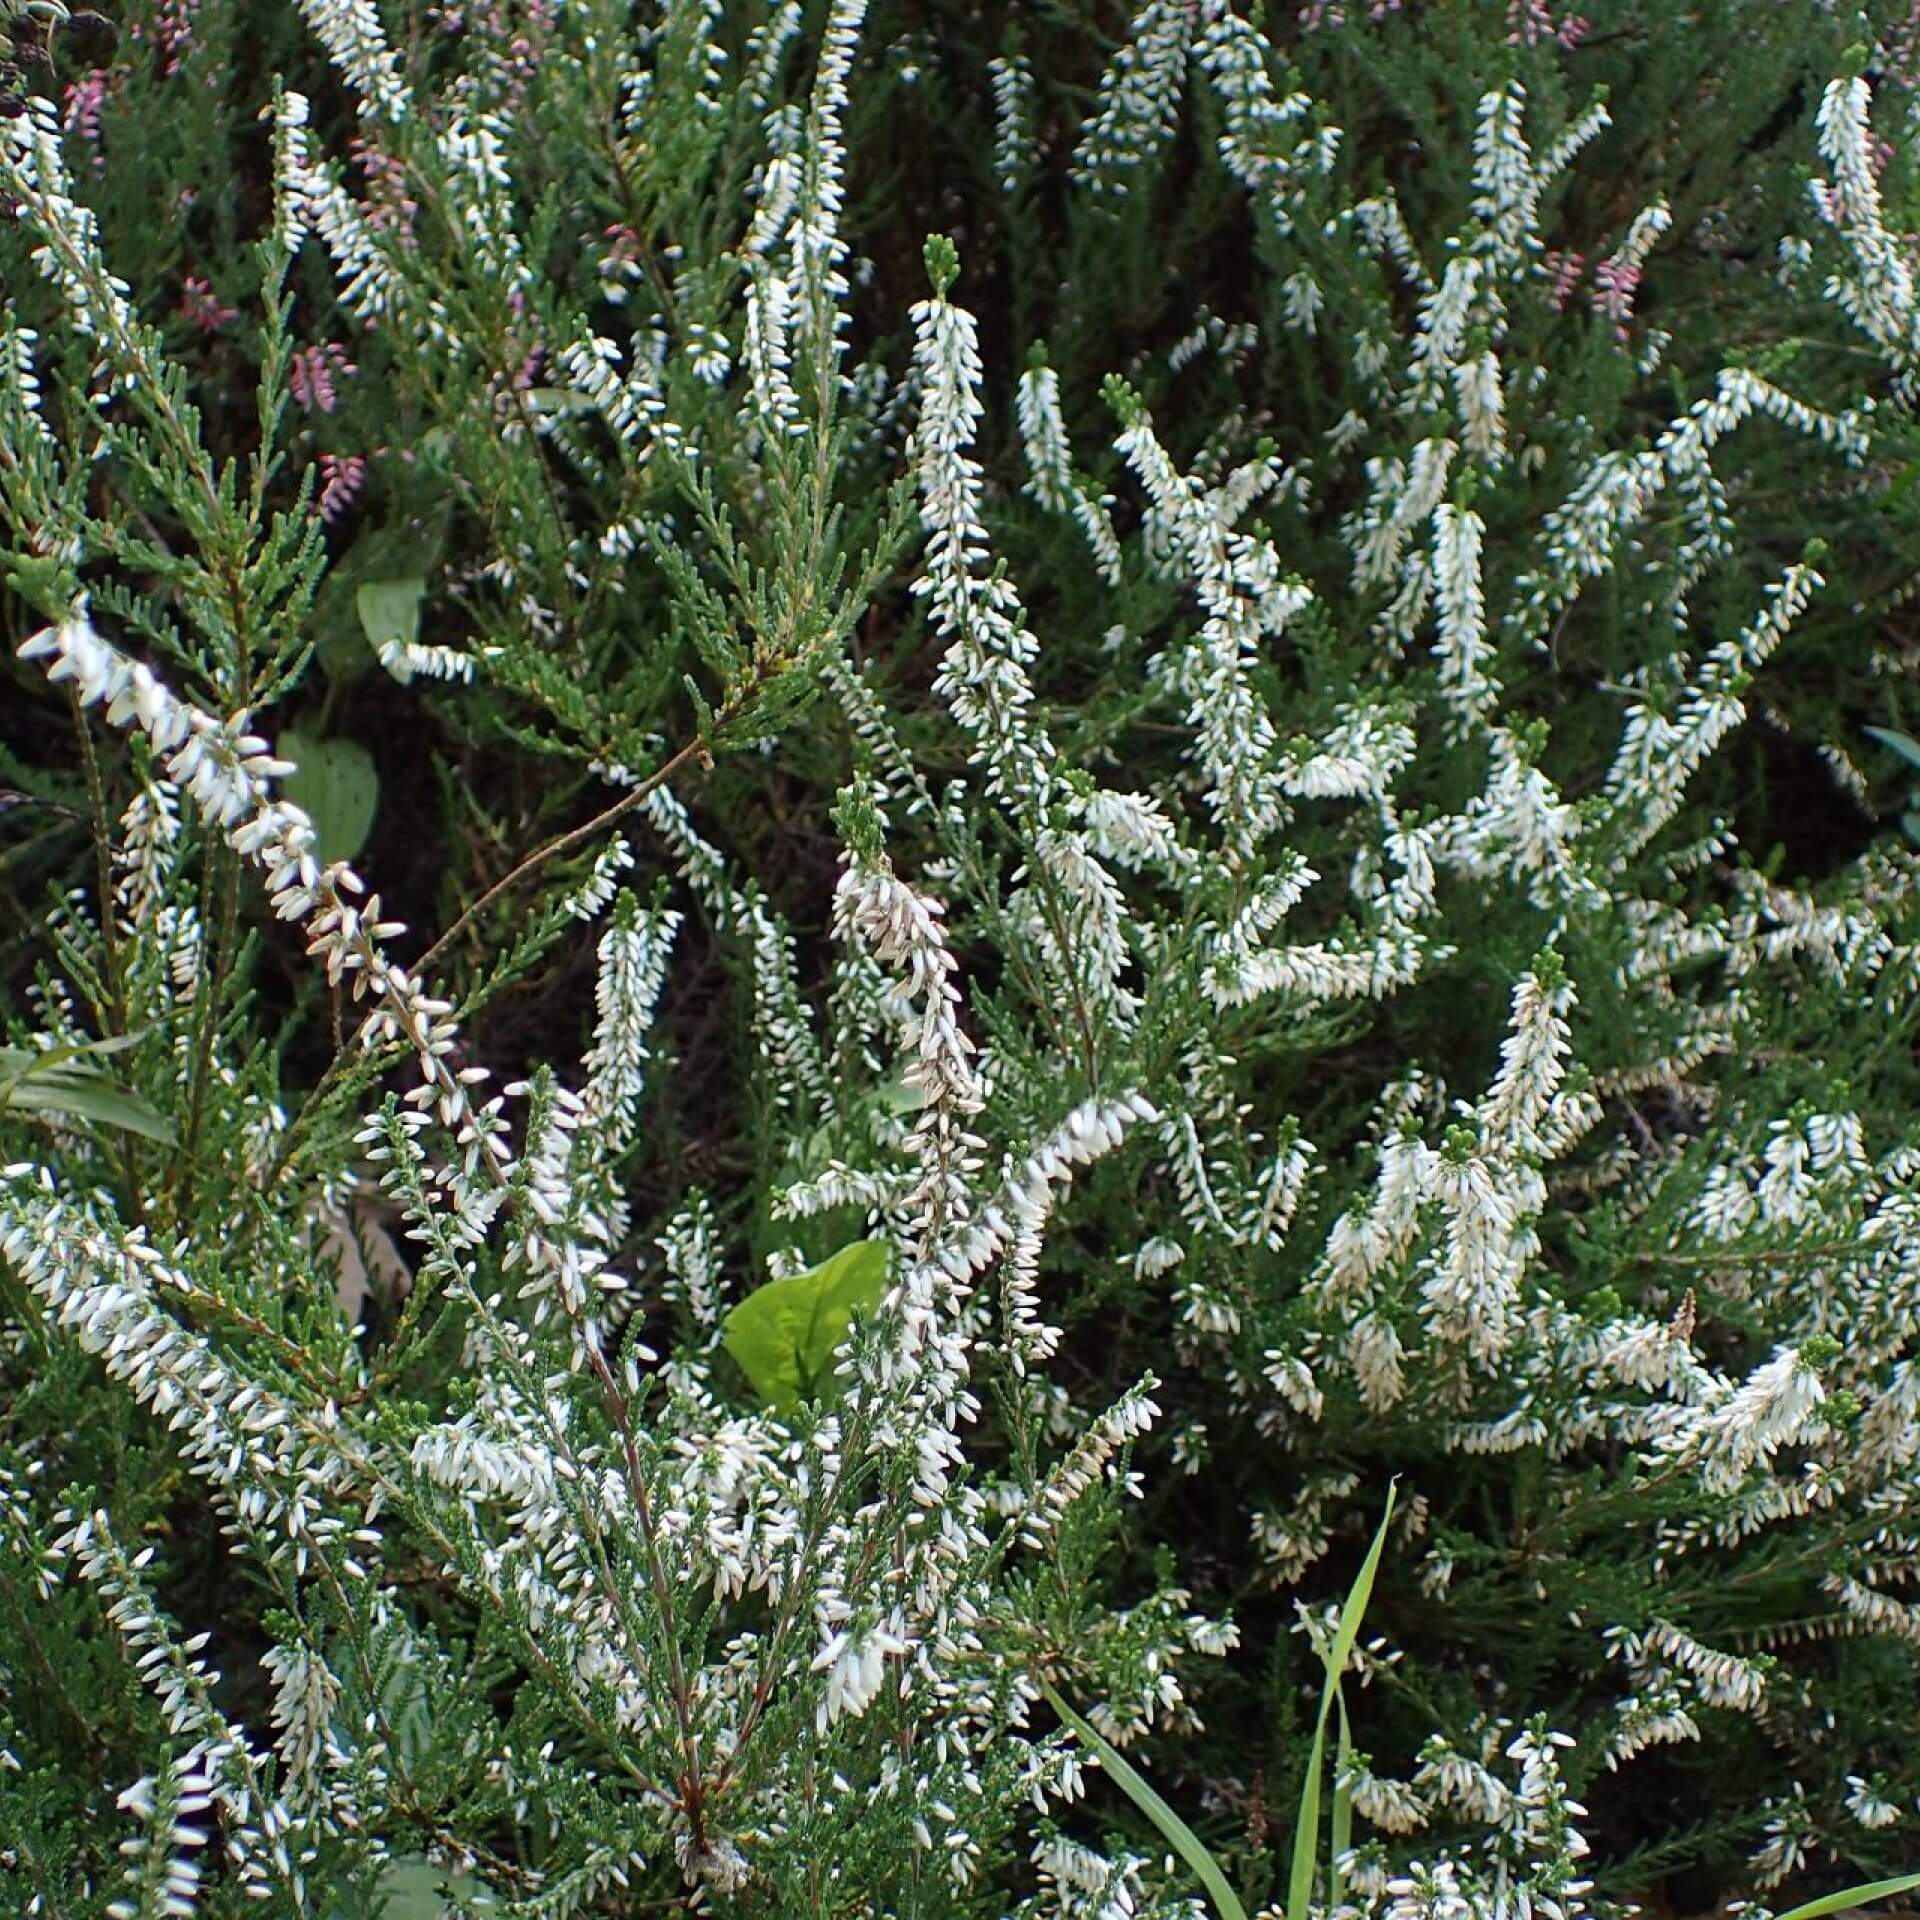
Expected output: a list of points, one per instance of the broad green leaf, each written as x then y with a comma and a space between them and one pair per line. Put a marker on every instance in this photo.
1306, 1833
784, 1334
1907, 748
899, 1099
410, 1889
1173, 1829
408, 548
335, 782
1850, 1897
389, 613
16, 1063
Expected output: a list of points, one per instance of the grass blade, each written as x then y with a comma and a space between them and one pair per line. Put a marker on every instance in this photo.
1306, 1834
1355, 1609
1851, 1897
88, 1096
1342, 1803
1903, 744
1173, 1829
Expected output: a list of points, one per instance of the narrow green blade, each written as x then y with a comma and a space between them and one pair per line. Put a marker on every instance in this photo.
1306, 1833
1306, 1826
1903, 744
1174, 1830
1357, 1601
1342, 1803
86, 1096
1850, 1897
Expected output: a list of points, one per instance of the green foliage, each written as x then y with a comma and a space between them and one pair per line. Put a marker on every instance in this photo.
335, 782
60, 1080
1306, 1838
1909, 750
1122, 741
389, 613
785, 1334
1177, 1833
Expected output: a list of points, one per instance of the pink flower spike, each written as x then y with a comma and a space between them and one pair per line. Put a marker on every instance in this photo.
341, 478
199, 304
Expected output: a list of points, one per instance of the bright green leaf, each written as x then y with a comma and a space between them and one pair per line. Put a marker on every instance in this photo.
407, 549
899, 1099
17, 1062
1850, 1897
335, 782
92, 1098
558, 400
1342, 1837
410, 1889
784, 1334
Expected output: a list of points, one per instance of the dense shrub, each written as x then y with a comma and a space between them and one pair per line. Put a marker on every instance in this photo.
1049, 900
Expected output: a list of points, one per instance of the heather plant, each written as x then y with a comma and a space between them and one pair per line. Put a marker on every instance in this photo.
1050, 901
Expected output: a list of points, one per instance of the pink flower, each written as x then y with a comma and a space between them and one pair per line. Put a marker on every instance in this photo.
1901, 48
389, 205
1566, 268
199, 304
492, 22
173, 26
342, 476
1615, 282
313, 373
1331, 13
1531, 21
86, 99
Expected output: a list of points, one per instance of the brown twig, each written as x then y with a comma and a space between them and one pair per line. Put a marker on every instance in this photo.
693, 750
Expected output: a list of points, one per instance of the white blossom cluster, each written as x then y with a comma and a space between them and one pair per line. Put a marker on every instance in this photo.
1056, 1037
723, 1505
